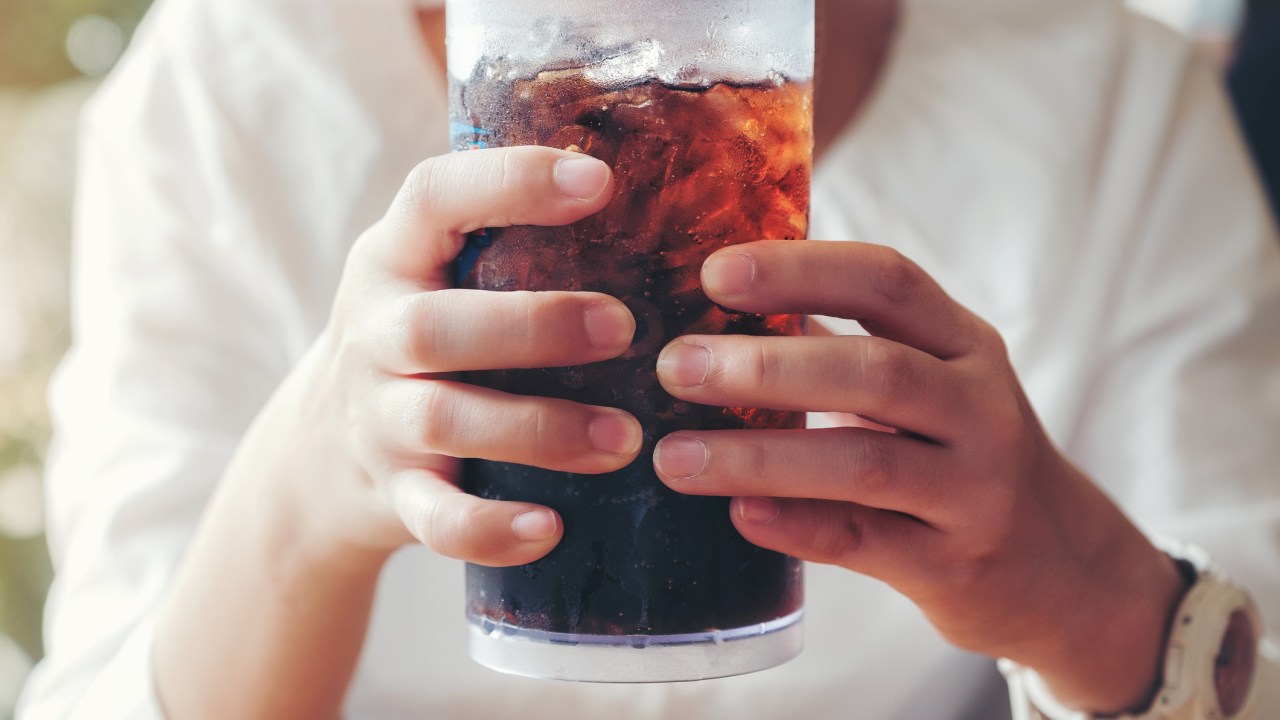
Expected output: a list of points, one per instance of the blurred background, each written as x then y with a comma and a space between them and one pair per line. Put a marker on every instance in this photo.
52, 55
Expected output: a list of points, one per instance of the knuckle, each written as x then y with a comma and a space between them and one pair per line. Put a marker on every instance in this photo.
751, 461
764, 366
351, 341
535, 314
899, 280
417, 513
394, 421
1008, 418
837, 536
540, 425
885, 370
368, 450
1002, 528
430, 331
422, 332
1006, 425
537, 431
874, 464
437, 527
423, 185
503, 176
506, 174
365, 248
990, 340
454, 530
973, 567
435, 410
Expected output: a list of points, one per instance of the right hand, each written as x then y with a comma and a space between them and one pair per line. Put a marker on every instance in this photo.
376, 418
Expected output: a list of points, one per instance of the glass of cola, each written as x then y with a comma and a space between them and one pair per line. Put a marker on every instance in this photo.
704, 112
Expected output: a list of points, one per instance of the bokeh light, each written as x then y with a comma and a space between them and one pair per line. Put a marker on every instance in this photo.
21, 502
94, 43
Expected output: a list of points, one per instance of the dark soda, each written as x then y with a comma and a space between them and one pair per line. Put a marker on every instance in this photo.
697, 168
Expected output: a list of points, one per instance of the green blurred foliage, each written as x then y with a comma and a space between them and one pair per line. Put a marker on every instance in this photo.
24, 565
33, 35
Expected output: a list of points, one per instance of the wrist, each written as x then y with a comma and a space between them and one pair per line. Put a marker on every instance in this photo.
1109, 658
325, 528
312, 542
268, 614
292, 469
1210, 664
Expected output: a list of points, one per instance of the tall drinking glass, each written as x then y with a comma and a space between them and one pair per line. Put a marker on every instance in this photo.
704, 111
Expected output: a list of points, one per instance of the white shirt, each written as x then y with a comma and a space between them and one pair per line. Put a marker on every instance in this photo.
1067, 171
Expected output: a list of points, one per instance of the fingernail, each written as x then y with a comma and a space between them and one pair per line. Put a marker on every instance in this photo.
615, 434
681, 458
609, 325
729, 273
535, 525
685, 364
757, 510
581, 178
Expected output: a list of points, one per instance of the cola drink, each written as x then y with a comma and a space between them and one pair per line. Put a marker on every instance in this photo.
646, 584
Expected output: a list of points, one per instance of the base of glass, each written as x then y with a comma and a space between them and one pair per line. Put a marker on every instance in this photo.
636, 658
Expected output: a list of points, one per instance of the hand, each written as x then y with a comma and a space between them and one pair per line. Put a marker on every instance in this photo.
354, 454
385, 419
942, 484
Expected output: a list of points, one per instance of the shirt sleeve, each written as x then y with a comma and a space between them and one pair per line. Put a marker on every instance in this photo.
119, 689
225, 168
176, 345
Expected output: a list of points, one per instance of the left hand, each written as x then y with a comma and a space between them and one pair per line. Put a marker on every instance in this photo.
953, 494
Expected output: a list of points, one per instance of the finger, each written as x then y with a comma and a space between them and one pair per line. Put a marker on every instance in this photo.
875, 469
418, 417
458, 525
451, 330
448, 196
888, 294
818, 328
894, 384
879, 543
